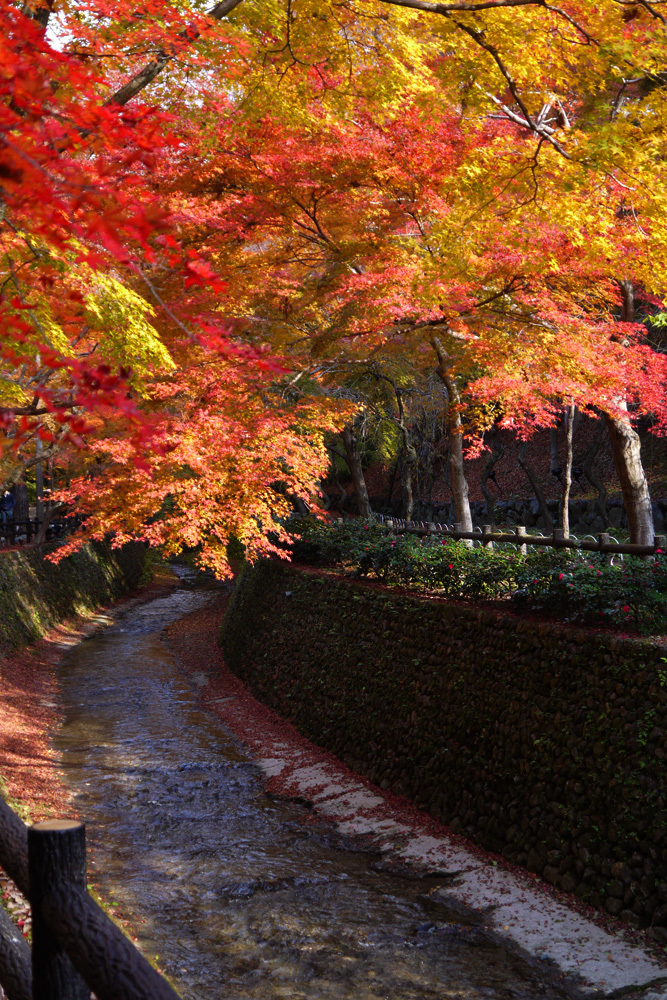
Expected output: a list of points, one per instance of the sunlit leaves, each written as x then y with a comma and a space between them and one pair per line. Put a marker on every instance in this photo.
232, 457
122, 319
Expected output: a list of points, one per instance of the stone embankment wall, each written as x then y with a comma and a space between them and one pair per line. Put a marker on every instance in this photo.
538, 741
36, 594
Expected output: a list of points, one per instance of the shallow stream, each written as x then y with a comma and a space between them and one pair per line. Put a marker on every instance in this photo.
239, 895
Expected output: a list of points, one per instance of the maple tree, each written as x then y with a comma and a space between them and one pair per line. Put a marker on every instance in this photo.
87, 358
375, 240
459, 185
234, 458
77, 214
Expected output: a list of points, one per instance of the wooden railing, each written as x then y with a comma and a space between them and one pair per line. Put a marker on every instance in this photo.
76, 948
487, 537
24, 532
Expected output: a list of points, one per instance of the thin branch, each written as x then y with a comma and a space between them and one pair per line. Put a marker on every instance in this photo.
545, 131
149, 72
652, 11
478, 38
453, 8
28, 411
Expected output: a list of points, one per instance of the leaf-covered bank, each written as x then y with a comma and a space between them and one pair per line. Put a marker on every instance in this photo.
31, 779
538, 741
36, 594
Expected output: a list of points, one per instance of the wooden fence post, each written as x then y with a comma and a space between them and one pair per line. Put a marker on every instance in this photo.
521, 533
56, 859
486, 530
15, 960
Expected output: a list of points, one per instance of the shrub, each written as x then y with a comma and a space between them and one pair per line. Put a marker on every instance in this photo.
575, 586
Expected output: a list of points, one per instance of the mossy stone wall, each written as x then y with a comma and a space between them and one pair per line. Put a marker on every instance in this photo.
36, 594
541, 742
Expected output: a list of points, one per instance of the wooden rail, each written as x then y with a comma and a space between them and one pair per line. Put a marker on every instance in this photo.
76, 948
12, 532
486, 536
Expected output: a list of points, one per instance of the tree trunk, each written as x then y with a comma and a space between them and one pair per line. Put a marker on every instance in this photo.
408, 495
50, 511
458, 481
354, 463
628, 298
39, 480
548, 521
21, 510
626, 448
456, 468
554, 457
569, 431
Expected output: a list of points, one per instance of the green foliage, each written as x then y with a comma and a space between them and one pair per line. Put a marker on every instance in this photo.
153, 560
574, 586
632, 592
123, 320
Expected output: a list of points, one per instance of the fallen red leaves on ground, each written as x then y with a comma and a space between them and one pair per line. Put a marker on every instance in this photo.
29, 711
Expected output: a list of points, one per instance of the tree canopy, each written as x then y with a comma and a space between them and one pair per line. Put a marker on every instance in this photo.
210, 215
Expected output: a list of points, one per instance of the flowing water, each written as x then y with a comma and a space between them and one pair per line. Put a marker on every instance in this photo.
239, 895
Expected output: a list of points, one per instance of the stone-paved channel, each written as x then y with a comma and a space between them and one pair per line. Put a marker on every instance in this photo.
241, 896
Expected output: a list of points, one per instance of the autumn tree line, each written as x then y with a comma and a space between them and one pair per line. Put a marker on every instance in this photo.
398, 461
235, 237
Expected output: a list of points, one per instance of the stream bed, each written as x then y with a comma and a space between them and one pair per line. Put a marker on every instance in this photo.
239, 895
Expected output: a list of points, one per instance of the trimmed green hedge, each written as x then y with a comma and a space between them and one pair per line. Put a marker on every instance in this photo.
542, 742
36, 594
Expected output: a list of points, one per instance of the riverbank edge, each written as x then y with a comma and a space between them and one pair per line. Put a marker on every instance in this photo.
37, 593
526, 914
30, 779
542, 744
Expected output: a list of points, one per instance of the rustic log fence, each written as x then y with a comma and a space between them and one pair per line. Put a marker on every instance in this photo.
76, 948
487, 537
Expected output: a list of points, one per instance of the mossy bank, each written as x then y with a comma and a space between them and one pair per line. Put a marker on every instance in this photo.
36, 594
540, 742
